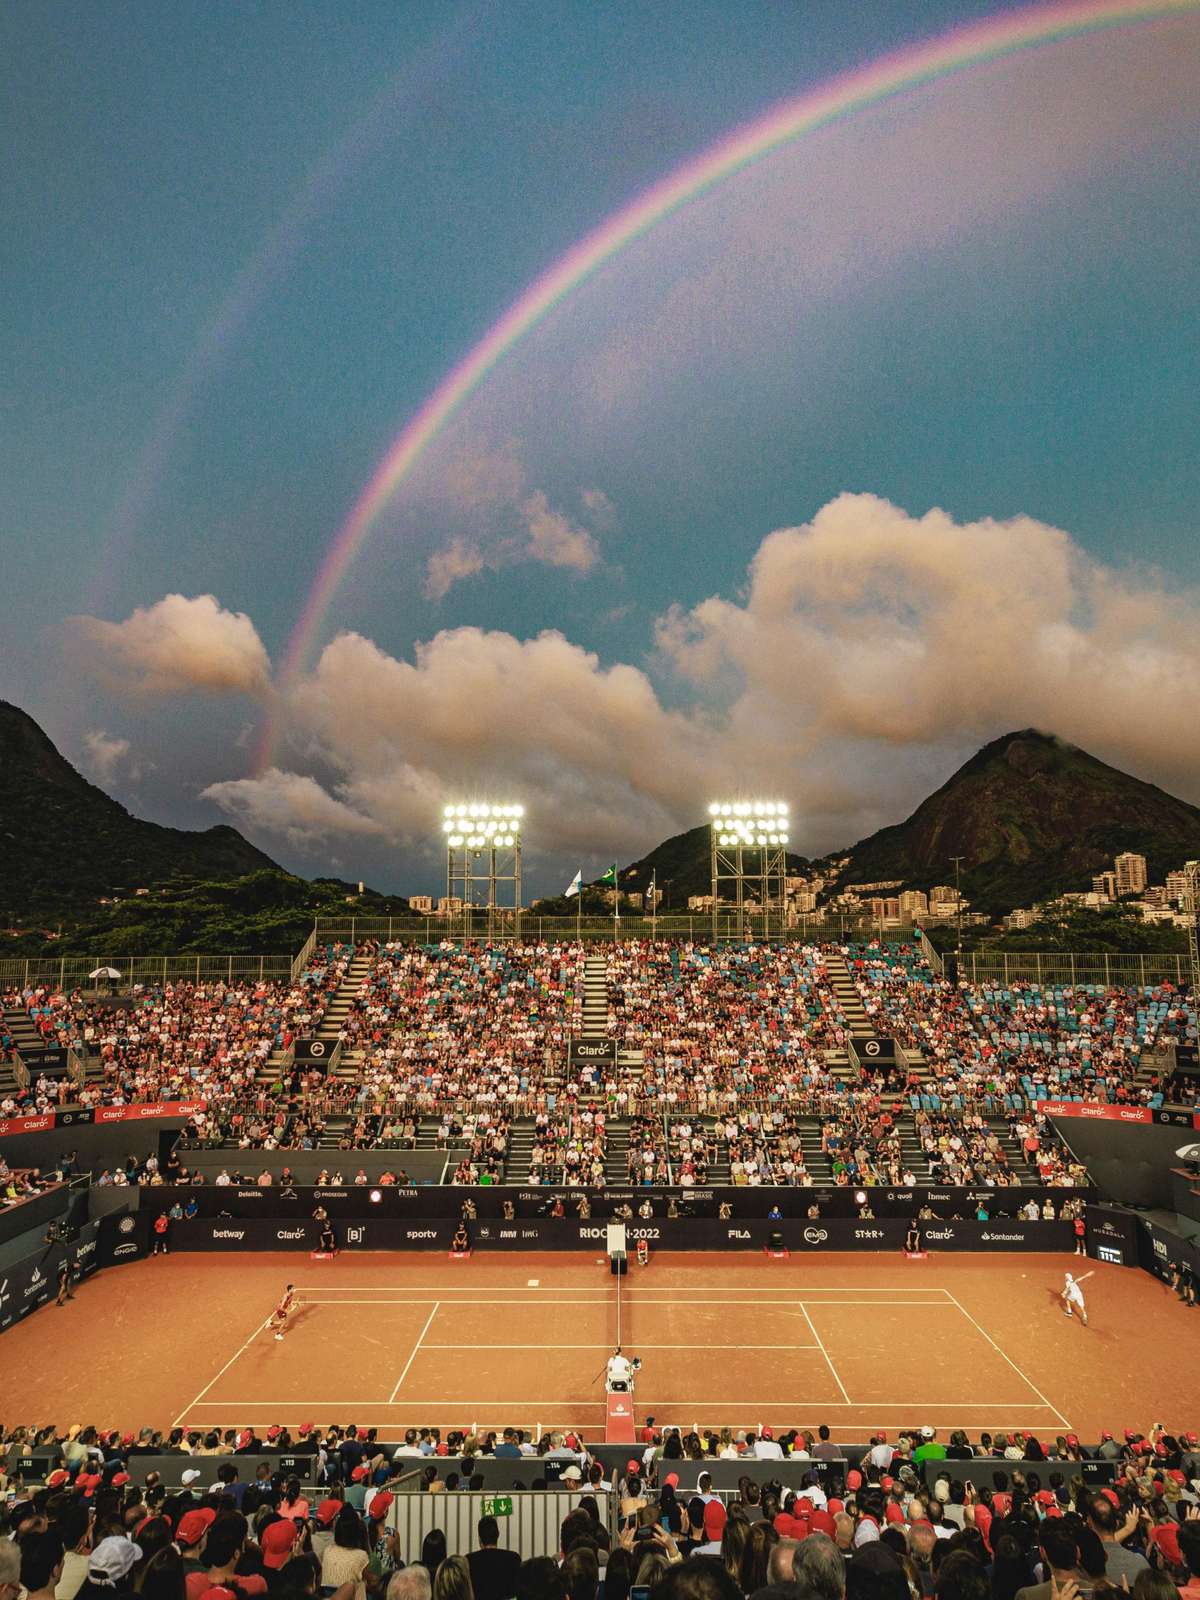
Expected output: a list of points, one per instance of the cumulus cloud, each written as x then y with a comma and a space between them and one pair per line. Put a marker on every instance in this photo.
870, 624
501, 520
104, 755
179, 645
554, 538
291, 805
871, 652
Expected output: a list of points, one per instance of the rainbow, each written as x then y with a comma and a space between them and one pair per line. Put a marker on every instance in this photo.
974, 44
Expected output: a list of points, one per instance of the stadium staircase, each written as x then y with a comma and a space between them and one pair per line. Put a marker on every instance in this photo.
616, 1152
595, 998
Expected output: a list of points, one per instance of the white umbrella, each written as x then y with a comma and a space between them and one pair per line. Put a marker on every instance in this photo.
104, 972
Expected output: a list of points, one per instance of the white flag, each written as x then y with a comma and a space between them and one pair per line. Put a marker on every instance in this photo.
575, 885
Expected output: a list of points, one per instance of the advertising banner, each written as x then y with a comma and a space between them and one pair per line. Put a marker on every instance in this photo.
152, 1111
248, 1233
1111, 1236
123, 1238
376, 1201
1088, 1112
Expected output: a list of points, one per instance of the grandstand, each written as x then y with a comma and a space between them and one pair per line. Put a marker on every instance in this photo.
776, 1121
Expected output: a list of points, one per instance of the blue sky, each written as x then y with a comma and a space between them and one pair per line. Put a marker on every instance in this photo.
244, 244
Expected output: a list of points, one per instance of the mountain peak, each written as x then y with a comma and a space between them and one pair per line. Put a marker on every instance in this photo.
63, 840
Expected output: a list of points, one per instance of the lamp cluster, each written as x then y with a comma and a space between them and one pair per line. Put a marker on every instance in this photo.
749, 822
479, 826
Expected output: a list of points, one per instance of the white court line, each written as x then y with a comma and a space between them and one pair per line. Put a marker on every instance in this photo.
824, 1352
239, 1351
606, 1345
306, 1407
590, 1288
411, 1359
1012, 1363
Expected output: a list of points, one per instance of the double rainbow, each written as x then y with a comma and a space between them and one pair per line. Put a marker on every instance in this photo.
976, 44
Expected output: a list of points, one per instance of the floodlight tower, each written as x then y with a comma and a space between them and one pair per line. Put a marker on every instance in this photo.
1191, 903
749, 848
483, 863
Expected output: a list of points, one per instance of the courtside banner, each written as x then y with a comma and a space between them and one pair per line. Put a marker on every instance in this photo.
151, 1111
1105, 1113
39, 1124
554, 1233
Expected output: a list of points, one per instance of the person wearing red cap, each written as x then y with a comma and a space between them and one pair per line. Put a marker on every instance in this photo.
223, 1546
277, 1541
766, 1448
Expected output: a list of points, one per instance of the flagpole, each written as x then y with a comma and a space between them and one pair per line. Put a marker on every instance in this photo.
616, 904
579, 908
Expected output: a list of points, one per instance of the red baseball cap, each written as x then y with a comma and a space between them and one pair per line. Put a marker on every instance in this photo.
327, 1510
243, 1438
892, 1512
880, 1436
633, 1466
381, 1504
277, 1542
766, 1434
1073, 1440
854, 1479
57, 1479
821, 1522
127, 1439
784, 1525
120, 1479
672, 1479
89, 1482
274, 1431
886, 1483
1189, 1438
714, 1519
1111, 1494
359, 1473
307, 1427
193, 1525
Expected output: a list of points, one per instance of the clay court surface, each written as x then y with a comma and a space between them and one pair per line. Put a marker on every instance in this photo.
389, 1340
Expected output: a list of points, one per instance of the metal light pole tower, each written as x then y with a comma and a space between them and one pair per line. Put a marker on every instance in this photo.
1192, 904
483, 862
749, 847
958, 861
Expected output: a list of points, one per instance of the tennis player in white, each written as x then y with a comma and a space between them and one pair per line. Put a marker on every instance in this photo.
1072, 1295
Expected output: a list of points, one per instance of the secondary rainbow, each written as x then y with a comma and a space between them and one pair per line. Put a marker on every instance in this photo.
972, 45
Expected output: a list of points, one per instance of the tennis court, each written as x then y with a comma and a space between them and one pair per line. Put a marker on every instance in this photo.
857, 1341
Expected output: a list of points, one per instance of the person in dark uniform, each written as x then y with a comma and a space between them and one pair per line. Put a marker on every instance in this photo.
327, 1243
912, 1239
65, 1291
461, 1243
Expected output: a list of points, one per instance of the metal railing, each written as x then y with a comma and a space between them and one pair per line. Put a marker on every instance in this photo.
1064, 967
531, 1528
304, 953
697, 927
930, 954
73, 972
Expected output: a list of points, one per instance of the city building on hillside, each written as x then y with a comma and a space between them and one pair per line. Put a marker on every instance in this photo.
449, 905
914, 903
700, 902
1177, 886
1130, 873
1105, 884
422, 904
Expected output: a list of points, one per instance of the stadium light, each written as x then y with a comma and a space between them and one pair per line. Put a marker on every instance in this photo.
750, 824
483, 861
749, 840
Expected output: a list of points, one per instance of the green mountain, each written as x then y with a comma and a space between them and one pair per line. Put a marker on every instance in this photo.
64, 843
1031, 817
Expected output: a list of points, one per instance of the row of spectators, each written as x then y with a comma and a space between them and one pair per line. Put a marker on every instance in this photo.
102, 1529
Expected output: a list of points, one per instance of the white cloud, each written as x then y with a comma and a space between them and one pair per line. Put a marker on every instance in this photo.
871, 652
500, 521
104, 754
179, 645
554, 538
291, 805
